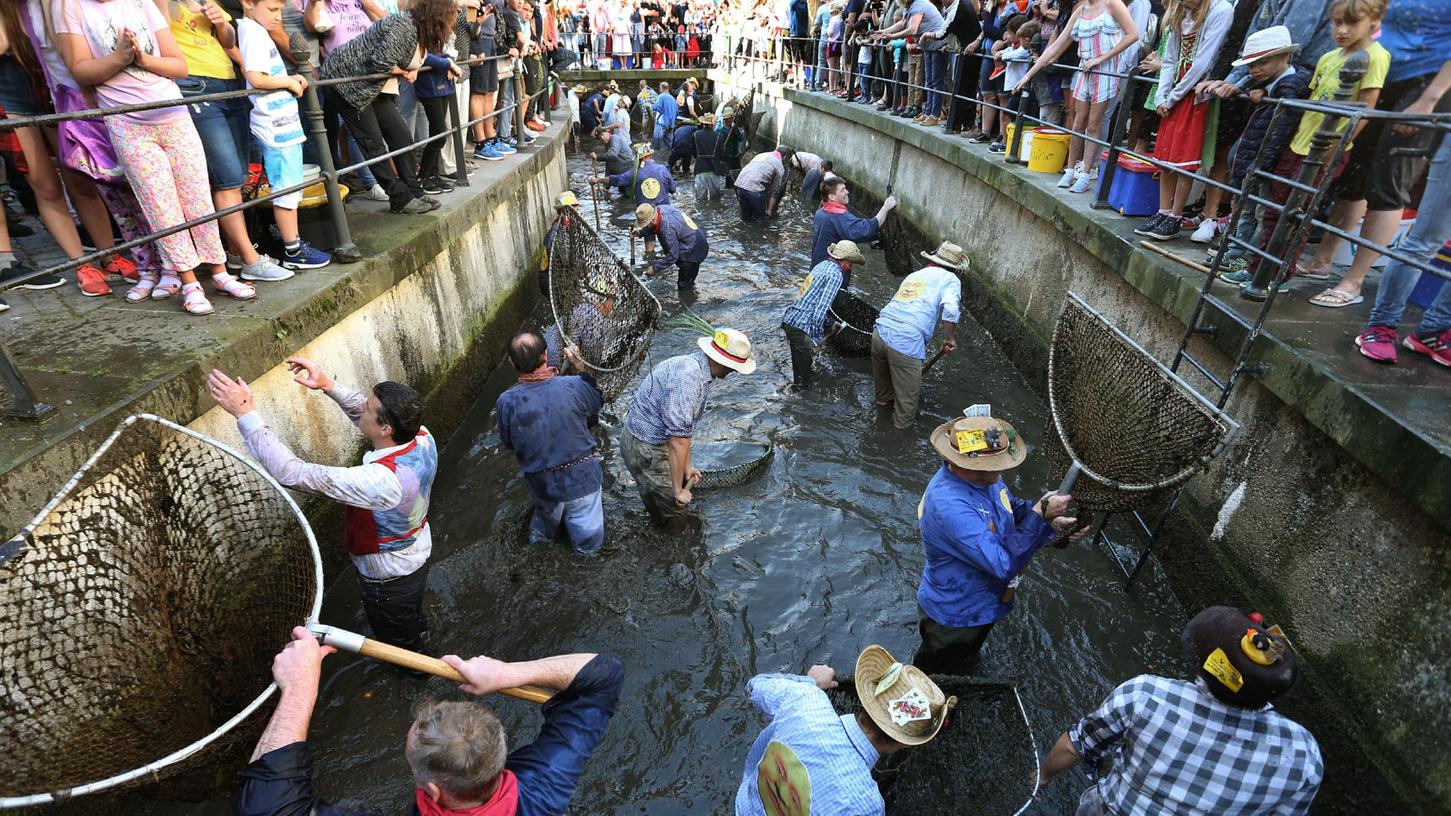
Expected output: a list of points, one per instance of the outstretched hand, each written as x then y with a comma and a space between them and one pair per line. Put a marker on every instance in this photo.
824, 676
233, 396
307, 373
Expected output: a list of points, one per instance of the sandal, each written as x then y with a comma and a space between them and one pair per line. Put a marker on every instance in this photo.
194, 300
1309, 273
1336, 299
227, 284
141, 289
165, 288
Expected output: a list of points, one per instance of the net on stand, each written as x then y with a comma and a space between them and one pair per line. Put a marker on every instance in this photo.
142, 610
599, 305
1134, 427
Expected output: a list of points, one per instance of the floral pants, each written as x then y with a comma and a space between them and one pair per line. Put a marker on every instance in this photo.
167, 169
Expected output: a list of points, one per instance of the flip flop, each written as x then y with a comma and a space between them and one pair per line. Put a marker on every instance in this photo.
1306, 273
1336, 299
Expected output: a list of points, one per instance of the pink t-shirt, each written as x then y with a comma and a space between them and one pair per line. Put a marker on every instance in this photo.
348, 19
100, 23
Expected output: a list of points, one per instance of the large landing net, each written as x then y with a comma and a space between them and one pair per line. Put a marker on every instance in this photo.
142, 609
985, 754
1135, 428
599, 305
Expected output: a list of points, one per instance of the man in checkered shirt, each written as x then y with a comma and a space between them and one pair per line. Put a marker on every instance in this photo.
1211, 746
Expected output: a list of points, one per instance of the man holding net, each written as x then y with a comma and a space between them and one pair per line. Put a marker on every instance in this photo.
682, 243
926, 297
386, 497
978, 538
455, 749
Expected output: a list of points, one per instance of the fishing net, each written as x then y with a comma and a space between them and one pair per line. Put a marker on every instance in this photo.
142, 610
984, 755
857, 318
599, 305
1135, 428
896, 246
727, 464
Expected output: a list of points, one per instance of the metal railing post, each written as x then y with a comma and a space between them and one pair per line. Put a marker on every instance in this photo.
1294, 217
1117, 131
1020, 124
25, 405
345, 250
461, 170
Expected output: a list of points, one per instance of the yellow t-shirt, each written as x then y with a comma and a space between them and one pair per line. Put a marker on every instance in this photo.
1327, 81
193, 32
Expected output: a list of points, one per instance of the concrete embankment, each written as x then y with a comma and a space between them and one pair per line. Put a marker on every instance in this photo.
1329, 513
431, 304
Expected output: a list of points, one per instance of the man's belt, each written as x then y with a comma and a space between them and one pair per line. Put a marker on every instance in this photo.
571, 463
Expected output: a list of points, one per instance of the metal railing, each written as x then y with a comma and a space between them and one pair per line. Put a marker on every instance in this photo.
22, 402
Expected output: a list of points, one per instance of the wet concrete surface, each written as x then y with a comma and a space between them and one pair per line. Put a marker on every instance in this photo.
807, 563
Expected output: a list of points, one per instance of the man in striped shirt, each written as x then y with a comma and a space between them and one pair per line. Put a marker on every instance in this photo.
805, 321
662, 417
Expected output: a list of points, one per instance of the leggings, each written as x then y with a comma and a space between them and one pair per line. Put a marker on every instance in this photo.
168, 172
434, 109
126, 212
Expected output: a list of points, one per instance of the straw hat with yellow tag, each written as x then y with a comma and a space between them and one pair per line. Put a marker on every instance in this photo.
730, 348
980, 443
900, 698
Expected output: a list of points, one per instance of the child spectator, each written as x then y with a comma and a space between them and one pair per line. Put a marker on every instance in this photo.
863, 57
1269, 56
1195, 30
1013, 55
680, 46
1103, 29
276, 125
433, 89
1355, 21
657, 57
692, 50
124, 53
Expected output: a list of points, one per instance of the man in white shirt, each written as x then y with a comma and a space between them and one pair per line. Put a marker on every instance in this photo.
906, 325
387, 495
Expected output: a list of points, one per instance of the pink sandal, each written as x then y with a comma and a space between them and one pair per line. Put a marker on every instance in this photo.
194, 300
227, 284
142, 288
167, 287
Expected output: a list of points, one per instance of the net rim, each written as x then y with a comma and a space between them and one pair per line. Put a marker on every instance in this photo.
16, 545
1225, 421
559, 321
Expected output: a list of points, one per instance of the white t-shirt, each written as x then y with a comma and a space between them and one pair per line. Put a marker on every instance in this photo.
275, 121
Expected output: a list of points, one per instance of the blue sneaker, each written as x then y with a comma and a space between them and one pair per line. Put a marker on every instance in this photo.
305, 257
504, 148
528, 138
488, 152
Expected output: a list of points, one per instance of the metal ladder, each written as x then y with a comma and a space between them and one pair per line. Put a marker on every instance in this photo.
1211, 312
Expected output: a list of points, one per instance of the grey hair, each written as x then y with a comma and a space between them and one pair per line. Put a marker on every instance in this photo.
458, 746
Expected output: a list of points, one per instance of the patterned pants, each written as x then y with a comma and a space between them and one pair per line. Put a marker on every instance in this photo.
168, 172
126, 211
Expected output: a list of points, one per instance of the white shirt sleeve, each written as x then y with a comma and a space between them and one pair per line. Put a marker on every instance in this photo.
372, 486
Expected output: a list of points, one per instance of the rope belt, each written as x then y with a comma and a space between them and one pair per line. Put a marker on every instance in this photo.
570, 464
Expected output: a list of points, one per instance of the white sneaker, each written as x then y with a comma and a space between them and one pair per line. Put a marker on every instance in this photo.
265, 269
377, 193
1082, 181
1208, 228
1068, 176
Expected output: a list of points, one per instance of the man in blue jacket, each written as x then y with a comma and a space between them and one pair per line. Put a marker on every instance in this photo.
979, 540
834, 222
651, 181
667, 110
682, 243
455, 748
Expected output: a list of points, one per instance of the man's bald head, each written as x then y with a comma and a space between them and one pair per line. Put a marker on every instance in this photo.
527, 351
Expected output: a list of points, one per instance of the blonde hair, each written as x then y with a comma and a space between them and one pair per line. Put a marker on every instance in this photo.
458, 746
1357, 10
1177, 13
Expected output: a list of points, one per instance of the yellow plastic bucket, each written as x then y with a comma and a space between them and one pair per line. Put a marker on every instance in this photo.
1026, 148
1050, 151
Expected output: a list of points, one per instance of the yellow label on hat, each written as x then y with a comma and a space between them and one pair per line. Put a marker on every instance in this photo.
1219, 667
721, 340
970, 441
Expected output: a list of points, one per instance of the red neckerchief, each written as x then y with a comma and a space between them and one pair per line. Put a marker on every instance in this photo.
539, 375
504, 802
833, 207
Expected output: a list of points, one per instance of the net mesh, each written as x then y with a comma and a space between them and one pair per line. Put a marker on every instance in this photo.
1133, 426
142, 609
984, 754
857, 318
599, 305
729, 464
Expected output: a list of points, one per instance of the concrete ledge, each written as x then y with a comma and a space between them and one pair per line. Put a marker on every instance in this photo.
1393, 419
429, 290
590, 76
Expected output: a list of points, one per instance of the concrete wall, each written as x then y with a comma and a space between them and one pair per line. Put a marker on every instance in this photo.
1286, 521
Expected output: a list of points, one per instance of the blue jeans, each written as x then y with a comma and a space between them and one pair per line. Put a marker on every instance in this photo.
583, 520
753, 205
1433, 224
934, 64
224, 129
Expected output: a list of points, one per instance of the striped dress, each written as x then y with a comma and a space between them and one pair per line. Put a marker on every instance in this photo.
1096, 36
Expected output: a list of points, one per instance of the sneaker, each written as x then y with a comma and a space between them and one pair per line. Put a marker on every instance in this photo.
997, 147
120, 269
914, 112
534, 125
432, 202
1233, 263
415, 206
1069, 175
527, 138
1379, 343
930, 121
18, 229
972, 135
917, 120
17, 269
489, 152
504, 147
1144, 228
4, 307
982, 138
265, 269
1238, 277
1436, 346
435, 185
376, 193
1190, 222
1083, 182
92, 281
1207, 230
306, 256
1167, 229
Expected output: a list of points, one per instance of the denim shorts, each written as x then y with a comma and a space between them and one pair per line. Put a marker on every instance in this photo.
284, 169
17, 97
223, 128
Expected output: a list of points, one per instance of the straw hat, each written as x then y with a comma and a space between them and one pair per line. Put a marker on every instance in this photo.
730, 348
566, 199
612, 85
980, 443
644, 215
708, 120
1265, 43
874, 666
846, 251
727, 112
578, 89
644, 150
949, 255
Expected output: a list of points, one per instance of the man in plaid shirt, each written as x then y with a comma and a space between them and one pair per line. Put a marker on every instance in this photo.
1211, 746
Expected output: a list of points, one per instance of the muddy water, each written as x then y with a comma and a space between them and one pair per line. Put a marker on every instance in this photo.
805, 564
